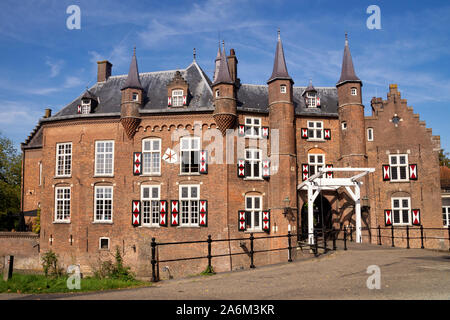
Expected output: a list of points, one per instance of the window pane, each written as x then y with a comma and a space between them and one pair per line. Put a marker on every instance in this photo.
146, 193
396, 203
405, 203
257, 203
405, 214
393, 160
194, 192
184, 192
396, 216
249, 203
155, 192
402, 173
394, 173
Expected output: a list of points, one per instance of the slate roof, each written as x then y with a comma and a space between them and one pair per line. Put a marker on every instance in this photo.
348, 71
279, 64
223, 75
133, 75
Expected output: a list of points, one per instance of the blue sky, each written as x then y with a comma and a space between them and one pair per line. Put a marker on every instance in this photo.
43, 64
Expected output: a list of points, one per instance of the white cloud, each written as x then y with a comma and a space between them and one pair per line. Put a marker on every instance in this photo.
55, 66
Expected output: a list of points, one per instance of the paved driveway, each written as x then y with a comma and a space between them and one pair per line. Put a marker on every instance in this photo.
405, 274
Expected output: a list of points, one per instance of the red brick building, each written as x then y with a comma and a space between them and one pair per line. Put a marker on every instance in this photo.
177, 156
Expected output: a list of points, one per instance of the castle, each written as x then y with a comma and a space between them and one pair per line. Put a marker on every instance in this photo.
176, 156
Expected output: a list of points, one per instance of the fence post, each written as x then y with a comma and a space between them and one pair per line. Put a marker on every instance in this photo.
334, 239
392, 235
316, 244
351, 233
289, 247
251, 251
345, 238
379, 235
324, 240
421, 237
407, 237
153, 245
209, 253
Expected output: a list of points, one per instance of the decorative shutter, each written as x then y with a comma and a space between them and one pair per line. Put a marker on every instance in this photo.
241, 168
327, 134
163, 213
329, 175
266, 169
304, 133
266, 220
78, 109
416, 217
305, 171
318, 102
136, 213
388, 217
184, 100
413, 172
241, 130
137, 163
174, 213
204, 161
265, 132
241, 220
203, 213
386, 172
169, 101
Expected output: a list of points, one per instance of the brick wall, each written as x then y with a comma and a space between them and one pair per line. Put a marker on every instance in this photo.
24, 246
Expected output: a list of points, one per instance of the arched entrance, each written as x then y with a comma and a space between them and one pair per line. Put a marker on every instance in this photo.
322, 216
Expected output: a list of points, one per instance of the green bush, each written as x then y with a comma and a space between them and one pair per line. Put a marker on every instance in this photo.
117, 270
50, 264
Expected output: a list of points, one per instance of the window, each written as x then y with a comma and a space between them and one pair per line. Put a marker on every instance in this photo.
446, 215
104, 243
354, 92
315, 130
344, 125
62, 204
85, 106
151, 156
283, 88
252, 127
104, 158
103, 206
63, 159
253, 163
189, 200
370, 134
316, 162
190, 152
311, 100
135, 96
217, 93
253, 206
40, 173
401, 210
177, 98
399, 167
150, 205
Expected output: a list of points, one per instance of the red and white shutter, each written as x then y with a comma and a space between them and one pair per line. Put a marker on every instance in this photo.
136, 213
163, 213
329, 174
241, 130
78, 109
305, 171
386, 172
265, 132
241, 220
169, 101
416, 217
203, 210
266, 169
327, 134
137, 163
388, 217
318, 102
304, 133
413, 172
241, 168
266, 220
184, 100
174, 213
204, 161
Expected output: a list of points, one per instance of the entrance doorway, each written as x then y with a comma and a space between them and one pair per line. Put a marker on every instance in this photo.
322, 216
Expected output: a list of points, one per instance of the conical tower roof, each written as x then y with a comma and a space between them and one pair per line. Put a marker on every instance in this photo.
223, 75
348, 71
133, 75
279, 64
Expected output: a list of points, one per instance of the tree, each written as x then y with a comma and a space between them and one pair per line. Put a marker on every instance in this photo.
10, 177
443, 159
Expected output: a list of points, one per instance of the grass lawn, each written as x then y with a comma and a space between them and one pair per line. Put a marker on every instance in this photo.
36, 283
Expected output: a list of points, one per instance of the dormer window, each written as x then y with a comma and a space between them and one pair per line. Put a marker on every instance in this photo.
135, 96
311, 101
85, 106
354, 91
177, 98
283, 88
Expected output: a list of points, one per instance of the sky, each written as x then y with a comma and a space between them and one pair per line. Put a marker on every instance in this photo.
44, 64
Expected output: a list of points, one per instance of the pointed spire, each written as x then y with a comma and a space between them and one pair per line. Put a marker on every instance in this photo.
310, 87
194, 53
223, 75
279, 65
348, 71
133, 74
217, 63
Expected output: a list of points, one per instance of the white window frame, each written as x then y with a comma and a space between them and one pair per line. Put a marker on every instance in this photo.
354, 91
62, 203
148, 163
85, 106
254, 127
283, 88
401, 208
150, 206
446, 216
102, 219
40, 173
315, 132
311, 100
255, 162
344, 125
253, 210
189, 149
63, 160
97, 154
177, 97
191, 209
135, 96
315, 164
369, 134
217, 93
396, 167
100, 243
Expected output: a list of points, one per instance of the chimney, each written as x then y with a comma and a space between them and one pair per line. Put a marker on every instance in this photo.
48, 113
232, 65
103, 70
